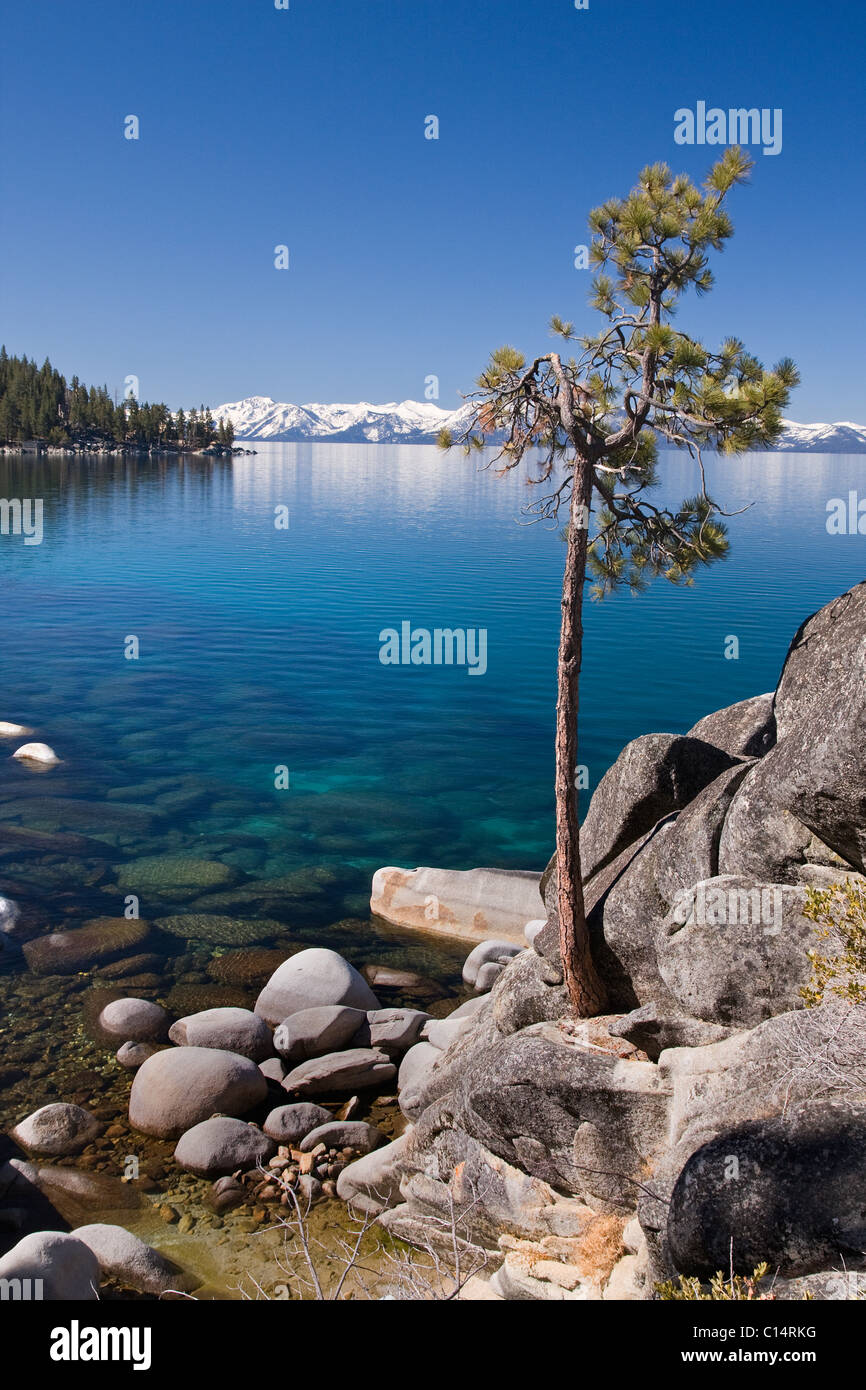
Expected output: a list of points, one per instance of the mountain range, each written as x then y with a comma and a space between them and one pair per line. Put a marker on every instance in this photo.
419, 422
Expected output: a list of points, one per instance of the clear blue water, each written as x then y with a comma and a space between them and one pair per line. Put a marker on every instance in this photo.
260, 647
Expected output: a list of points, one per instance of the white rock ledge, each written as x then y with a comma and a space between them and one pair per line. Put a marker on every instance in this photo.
470, 904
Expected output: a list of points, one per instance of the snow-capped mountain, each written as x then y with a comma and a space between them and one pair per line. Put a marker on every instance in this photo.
419, 422
841, 438
410, 422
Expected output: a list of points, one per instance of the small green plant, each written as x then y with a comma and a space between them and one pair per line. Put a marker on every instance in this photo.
840, 915
733, 1289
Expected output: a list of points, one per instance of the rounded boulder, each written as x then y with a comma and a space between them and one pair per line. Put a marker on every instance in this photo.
66, 1268
289, 1124
313, 1032
178, 1088
311, 978
56, 1130
220, 1146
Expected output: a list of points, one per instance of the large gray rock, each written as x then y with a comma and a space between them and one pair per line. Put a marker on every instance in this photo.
814, 781
313, 1032
691, 851
289, 1124
221, 1145
131, 1262
228, 1029
56, 1130
178, 1088
733, 951
313, 977
745, 730
790, 1191
445, 1174
344, 1134
762, 837
625, 922
806, 1056
134, 1020
825, 666
61, 1267
582, 1120
653, 776
359, 1068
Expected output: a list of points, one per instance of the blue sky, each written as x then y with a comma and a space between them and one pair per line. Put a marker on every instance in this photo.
409, 257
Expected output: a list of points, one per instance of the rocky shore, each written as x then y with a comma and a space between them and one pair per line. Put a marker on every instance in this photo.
708, 1121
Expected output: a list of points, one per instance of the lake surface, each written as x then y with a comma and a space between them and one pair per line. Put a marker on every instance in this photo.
259, 649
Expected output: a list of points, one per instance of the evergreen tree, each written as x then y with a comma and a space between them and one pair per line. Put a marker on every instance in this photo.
596, 422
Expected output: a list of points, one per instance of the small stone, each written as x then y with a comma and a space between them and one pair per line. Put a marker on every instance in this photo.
132, 1055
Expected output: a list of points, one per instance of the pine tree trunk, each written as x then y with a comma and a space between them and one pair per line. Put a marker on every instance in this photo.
585, 989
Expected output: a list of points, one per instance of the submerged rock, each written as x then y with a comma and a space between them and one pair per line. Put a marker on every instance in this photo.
172, 874
80, 948
219, 930
249, 967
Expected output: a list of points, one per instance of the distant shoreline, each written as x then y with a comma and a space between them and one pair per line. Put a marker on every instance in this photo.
35, 449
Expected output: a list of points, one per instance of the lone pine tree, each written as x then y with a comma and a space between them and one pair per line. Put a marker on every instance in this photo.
591, 427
